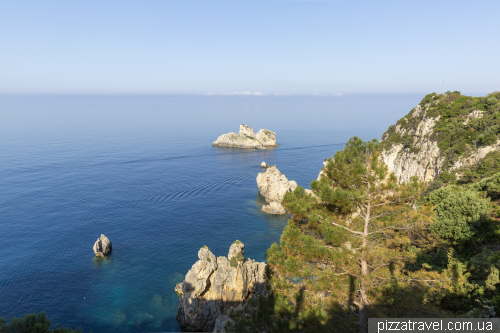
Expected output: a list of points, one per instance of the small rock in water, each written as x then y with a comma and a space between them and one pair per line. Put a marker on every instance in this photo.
264, 165
102, 246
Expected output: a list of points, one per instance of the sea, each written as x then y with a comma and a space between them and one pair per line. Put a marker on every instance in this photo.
141, 170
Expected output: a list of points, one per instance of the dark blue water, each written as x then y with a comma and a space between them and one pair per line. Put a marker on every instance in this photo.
142, 171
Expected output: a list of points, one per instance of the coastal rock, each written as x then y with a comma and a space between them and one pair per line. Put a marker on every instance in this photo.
273, 186
264, 165
178, 288
102, 247
246, 138
215, 285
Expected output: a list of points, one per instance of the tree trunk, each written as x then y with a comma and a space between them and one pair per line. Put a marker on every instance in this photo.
363, 304
363, 308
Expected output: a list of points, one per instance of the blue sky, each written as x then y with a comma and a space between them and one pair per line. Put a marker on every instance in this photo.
267, 47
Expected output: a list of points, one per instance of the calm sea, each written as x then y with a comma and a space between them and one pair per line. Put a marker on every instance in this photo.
142, 171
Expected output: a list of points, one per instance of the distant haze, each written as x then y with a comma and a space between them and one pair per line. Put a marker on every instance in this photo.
248, 48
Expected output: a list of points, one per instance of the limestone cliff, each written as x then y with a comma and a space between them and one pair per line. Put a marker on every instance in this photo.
247, 138
443, 133
215, 285
273, 186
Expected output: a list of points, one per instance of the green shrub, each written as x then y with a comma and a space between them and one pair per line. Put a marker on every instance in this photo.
439, 195
456, 214
32, 323
233, 262
489, 140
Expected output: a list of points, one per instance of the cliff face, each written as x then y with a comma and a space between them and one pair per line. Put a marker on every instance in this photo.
432, 139
424, 161
215, 285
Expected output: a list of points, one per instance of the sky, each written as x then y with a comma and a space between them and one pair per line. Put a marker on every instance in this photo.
252, 47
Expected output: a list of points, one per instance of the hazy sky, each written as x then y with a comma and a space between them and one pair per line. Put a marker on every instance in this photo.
269, 47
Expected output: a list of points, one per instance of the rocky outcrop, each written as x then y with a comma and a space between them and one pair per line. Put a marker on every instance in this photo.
102, 247
425, 159
215, 285
247, 138
273, 186
264, 165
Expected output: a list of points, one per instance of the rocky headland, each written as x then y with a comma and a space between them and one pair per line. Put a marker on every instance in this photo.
273, 185
442, 133
214, 286
247, 138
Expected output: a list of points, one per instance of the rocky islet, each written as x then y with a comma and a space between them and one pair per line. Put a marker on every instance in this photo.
246, 138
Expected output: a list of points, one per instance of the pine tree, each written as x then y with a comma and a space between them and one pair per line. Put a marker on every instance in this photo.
354, 218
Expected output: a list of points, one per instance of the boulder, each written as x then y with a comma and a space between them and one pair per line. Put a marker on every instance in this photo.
215, 285
264, 165
102, 247
273, 186
246, 138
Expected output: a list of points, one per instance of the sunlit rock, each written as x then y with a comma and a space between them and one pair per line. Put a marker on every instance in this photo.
102, 247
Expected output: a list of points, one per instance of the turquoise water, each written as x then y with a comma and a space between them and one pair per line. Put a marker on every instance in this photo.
142, 171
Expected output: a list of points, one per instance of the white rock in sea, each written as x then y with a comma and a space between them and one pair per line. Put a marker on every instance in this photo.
264, 165
247, 138
102, 247
213, 286
273, 186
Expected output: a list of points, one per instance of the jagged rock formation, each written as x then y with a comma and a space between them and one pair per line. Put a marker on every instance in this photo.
412, 146
273, 186
247, 138
102, 247
215, 285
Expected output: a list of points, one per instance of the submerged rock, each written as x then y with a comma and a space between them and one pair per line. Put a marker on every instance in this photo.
274, 208
102, 247
215, 285
247, 138
273, 186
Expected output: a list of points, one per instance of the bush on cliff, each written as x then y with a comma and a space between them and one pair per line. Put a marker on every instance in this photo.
32, 323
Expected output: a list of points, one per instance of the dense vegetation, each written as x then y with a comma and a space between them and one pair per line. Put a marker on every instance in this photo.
32, 323
463, 124
364, 246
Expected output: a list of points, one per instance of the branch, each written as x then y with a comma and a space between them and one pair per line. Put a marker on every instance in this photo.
390, 227
351, 231
380, 266
384, 203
